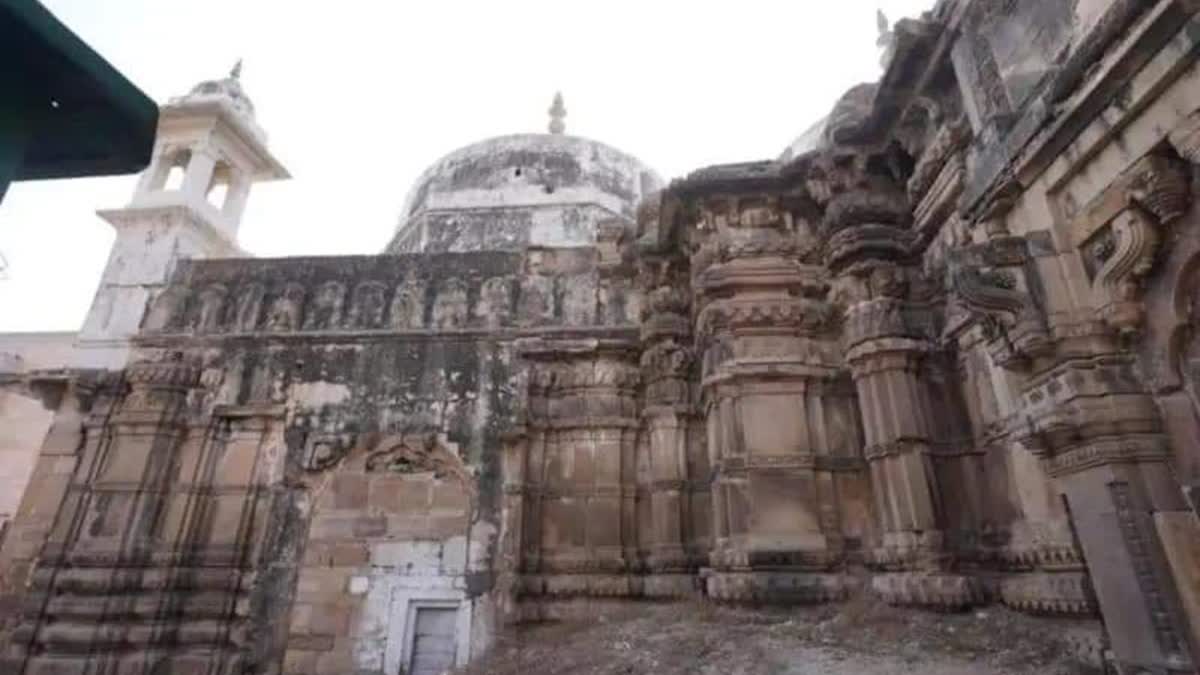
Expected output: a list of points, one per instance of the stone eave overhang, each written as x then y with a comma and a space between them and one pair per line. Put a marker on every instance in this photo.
762, 175
1129, 35
562, 339
918, 55
203, 222
223, 112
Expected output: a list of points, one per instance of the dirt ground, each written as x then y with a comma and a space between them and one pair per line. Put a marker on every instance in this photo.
858, 638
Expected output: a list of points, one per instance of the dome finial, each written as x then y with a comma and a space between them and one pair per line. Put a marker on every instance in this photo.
557, 112
236, 71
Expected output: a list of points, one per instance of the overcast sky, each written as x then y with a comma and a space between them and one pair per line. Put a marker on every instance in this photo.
358, 97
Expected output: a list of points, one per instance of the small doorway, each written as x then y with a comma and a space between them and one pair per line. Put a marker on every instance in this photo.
434, 643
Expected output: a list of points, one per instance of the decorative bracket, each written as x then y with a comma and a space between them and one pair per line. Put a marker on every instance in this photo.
1120, 232
990, 281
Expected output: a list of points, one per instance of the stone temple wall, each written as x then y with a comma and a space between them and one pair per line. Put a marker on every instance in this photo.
943, 354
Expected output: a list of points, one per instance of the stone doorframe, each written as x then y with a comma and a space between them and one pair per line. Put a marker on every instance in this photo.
402, 620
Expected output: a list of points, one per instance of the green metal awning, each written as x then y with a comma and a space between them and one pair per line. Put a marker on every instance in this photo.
64, 111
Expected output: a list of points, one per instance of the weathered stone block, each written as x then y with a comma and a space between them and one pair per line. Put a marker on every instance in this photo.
369, 526
408, 557
399, 494
449, 496
348, 554
350, 491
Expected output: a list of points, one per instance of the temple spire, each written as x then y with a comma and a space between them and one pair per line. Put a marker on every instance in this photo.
557, 112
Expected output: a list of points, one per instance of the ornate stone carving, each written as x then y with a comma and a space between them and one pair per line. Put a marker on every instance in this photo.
950, 139
495, 301
1125, 251
323, 451
408, 304
415, 453
1185, 138
1061, 593
989, 281
286, 309
249, 307
325, 313
211, 312
1119, 234
450, 307
369, 305
862, 207
866, 242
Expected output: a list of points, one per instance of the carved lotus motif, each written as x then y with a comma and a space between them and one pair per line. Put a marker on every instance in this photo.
1163, 188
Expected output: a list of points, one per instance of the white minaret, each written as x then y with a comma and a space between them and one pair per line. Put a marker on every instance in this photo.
188, 204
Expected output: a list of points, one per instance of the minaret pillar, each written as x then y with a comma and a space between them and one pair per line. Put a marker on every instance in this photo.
210, 134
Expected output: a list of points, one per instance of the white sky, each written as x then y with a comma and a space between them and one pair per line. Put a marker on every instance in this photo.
358, 97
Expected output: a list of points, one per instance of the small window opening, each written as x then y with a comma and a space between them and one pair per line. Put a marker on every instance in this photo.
218, 189
174, 178
518, 173
178, 168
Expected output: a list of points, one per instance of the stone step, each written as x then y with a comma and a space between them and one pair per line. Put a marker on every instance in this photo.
83, 637
106, 580
138, 606
196, 660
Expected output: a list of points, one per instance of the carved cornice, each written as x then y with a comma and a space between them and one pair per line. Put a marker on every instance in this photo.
1103, 452
1090, 411
867, 242
863, 207
950, 140
885, 318
789, 315
174, 371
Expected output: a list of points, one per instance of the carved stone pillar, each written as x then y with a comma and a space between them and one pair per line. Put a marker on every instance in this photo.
888, 336
672, 436
1100, 433
30, 534
582, 432
774, 430
519, 497
1099, 436
96, 560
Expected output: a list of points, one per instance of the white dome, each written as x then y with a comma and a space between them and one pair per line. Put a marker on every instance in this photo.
510, 192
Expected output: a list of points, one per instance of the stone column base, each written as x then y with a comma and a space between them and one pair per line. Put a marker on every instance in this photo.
1062, 593
596, 585
933, 590
671, 585
778, 587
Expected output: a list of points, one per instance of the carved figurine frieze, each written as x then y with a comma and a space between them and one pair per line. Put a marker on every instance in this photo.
325, 312
407, 310
286, 309
369, 305
211, 312
450, 306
